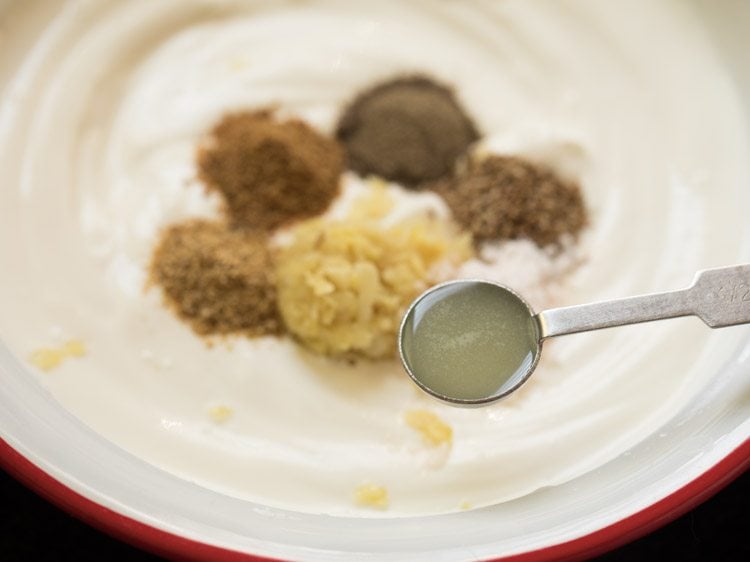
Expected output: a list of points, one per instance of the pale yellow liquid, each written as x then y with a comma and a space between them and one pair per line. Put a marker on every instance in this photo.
470, 340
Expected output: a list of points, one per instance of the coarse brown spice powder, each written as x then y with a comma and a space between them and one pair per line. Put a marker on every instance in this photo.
506, 197
270, 172
218, 280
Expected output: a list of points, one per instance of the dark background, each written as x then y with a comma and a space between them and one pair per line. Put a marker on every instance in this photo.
33, 530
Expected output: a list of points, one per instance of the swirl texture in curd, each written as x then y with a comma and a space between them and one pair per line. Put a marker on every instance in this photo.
99, 119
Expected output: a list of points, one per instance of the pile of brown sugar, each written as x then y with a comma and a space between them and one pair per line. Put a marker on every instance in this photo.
506, 197
270, 172
409, 130
218, 280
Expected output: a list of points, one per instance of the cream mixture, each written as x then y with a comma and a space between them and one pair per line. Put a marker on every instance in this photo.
100, 115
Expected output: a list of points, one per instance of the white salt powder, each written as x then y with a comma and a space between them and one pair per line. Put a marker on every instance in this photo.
539, 275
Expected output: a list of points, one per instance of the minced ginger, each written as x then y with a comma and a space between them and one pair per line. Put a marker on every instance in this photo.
434, 430
48, 358
371, 495
344, 285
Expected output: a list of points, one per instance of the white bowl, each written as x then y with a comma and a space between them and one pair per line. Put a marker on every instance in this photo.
687, 460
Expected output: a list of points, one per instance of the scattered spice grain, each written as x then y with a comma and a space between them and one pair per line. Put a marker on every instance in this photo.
507, 197
409, 130
270, 172
218, 280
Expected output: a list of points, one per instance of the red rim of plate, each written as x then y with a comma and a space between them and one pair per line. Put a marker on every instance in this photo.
170, 545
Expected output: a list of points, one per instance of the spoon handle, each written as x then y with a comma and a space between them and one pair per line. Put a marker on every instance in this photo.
720, 297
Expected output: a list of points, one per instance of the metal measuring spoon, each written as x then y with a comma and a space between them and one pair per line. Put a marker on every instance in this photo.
472, 342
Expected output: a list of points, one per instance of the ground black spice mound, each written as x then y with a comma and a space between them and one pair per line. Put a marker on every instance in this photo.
218, 280
505, 197
408, 130
270, 172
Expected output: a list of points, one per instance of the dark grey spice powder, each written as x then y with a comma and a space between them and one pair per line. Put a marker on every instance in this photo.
409, 130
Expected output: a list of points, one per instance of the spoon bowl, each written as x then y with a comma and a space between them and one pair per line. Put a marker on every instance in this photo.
470, 342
